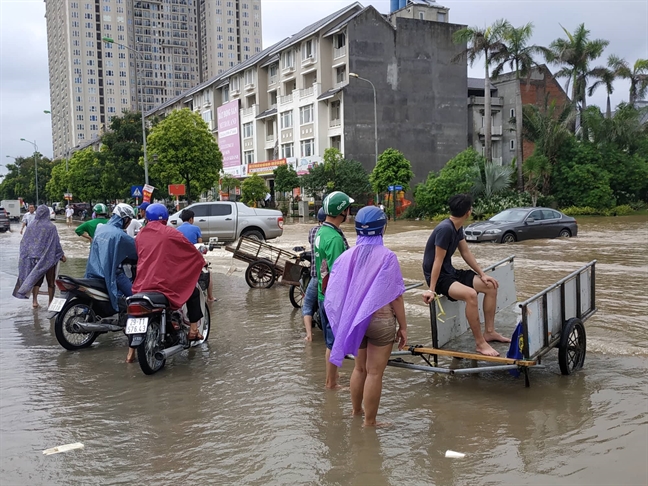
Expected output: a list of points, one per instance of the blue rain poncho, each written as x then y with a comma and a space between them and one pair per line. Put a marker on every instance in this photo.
110, 247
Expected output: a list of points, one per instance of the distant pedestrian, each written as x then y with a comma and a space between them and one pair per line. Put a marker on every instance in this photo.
69, 212
28, 218
40, 252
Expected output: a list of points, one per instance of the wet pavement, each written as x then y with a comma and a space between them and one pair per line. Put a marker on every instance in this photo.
249, 407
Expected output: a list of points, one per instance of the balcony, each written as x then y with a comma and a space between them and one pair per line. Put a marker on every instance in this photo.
496, 131
335, 123
270, 137
273, 79
480, 100
497, 160
305, 93
251, 111
285, 99
308, 61
288, 69
339, 52
249, 86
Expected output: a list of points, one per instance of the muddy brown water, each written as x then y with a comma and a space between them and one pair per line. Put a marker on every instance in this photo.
249, 407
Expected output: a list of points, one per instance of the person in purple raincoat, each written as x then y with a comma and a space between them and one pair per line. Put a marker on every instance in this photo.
364, 301
40, 252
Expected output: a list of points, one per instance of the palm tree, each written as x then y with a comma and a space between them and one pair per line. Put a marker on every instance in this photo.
548, 127
519, 55
482, 42
492, 180
638, 76
606, 78
575, 53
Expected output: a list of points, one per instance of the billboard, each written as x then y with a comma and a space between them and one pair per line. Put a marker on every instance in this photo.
265, 168
303, 164
229, 140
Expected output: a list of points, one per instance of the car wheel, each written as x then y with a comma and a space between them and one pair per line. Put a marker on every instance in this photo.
565, 233
255, 235
509, 238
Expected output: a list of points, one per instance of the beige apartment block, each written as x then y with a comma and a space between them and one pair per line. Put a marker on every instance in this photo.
168, 47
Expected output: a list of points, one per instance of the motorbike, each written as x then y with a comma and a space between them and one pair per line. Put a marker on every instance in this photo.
296, 293
84, 313
157, 331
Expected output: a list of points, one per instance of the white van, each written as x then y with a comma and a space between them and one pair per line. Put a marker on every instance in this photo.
13, 208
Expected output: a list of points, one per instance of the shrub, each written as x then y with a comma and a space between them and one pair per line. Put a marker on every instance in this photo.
623, 210
581, 211
440, 217
413, 212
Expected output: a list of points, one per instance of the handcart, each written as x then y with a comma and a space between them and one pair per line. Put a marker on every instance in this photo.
553, 318
267, 263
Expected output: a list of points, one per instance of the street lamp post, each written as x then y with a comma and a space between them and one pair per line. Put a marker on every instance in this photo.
110, 40
354, 75
67, 141
35, 164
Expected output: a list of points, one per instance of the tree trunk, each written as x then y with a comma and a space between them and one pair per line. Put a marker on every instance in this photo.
188, 190
631, 95
487, 113
519, 154
608, 112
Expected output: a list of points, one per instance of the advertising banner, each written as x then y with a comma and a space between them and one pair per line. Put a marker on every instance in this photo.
147, 191
238, 171
265, 168
303, 164
176, 189
229, 140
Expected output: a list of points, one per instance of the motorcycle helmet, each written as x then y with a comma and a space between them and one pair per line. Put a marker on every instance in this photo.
124, 211
144, 205
321, 215
100, 209
336, 203
370, 221
157, 212
201, 248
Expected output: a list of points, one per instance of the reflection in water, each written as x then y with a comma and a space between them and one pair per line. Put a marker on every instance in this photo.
250, 408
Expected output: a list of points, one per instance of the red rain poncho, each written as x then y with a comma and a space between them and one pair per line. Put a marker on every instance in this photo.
166, 263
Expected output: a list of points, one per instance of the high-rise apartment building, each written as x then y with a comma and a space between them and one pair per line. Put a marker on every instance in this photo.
167, 47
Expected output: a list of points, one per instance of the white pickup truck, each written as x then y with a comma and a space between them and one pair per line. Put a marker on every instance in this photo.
227, 221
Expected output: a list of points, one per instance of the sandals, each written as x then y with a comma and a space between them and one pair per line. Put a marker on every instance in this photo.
194, 335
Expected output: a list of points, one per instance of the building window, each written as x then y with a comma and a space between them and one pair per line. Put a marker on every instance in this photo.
512, 113
249, 77
248, 130
441, 17
307, 147
286, 119
340, 74
288, 59
308, 49
306, 115
512, 144
335, 110
421, 15
248, 156
234, 83
273, 70
286, 150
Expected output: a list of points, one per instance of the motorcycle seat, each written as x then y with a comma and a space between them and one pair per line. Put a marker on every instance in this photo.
95, 283
156, 298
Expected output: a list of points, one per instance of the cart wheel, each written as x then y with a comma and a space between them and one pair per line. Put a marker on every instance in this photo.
260, 275
296, 296
571, 350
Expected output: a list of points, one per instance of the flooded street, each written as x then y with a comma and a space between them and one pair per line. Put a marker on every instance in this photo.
249, 407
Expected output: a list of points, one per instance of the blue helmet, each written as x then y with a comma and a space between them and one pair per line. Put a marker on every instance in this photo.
144, 205
370, 221
321, 215
157, 212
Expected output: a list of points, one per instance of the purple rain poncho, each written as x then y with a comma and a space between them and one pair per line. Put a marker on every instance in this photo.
40, 250
364, 279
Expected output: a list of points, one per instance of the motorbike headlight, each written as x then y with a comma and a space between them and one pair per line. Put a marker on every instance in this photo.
492, 231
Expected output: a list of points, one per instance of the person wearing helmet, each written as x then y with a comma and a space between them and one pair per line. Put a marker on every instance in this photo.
330, 243
142, 211
169, 264
110, 248
364, 301
134, 226
87, 230
310, 296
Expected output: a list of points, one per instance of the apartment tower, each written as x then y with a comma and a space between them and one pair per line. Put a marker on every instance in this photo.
167, 47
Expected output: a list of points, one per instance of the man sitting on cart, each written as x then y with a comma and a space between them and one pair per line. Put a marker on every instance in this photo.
464, 285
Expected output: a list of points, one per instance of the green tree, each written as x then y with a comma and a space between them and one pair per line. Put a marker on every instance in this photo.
84, 177
456, 177
20, 180
605, 77
574, 55
254, 189
487, 43
490, 179
392, 169
638, 76
519, 55
537, 171
337, 174
187, 152
228, 182
548, 127
286, 179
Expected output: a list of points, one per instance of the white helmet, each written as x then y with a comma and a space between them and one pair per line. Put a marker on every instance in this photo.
124, 211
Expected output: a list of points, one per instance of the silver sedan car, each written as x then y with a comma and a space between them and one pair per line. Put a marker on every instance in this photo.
519, 224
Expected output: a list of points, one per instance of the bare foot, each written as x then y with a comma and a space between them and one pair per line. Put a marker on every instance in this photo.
130, 358
496, 337
308, 338
486, 350
377, 424
357, 413
35, 305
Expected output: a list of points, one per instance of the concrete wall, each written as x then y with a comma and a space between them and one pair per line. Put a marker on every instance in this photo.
421, 94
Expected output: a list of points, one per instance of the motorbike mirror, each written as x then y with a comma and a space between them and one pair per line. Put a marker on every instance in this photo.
299, 248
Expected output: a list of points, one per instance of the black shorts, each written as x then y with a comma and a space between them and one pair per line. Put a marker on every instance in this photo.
464, 277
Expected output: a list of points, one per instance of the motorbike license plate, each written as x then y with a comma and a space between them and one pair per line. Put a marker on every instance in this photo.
56, 305
136, 325
471, 238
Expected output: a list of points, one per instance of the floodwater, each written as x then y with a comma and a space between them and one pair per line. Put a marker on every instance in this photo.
249, 408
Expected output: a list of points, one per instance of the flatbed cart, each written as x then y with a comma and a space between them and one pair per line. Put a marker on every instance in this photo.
553, 318
267, 263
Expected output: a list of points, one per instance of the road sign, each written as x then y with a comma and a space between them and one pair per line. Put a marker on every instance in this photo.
390, 188
137, 191
176, 189
398, 188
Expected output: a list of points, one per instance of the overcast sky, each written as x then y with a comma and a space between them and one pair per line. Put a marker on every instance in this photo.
24, 81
